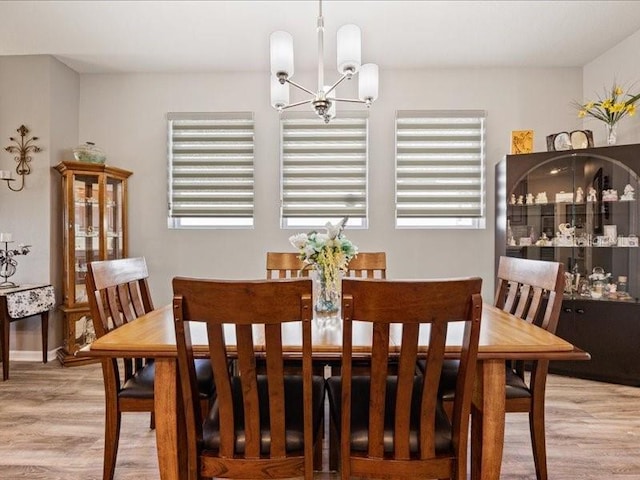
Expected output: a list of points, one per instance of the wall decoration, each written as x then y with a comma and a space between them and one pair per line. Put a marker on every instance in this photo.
521, 141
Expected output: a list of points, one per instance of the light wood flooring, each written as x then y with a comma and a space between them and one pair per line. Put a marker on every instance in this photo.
51, 427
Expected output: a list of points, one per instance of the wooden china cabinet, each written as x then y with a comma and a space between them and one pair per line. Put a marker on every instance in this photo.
94, 228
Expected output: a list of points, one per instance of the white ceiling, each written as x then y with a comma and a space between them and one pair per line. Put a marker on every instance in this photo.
205, 36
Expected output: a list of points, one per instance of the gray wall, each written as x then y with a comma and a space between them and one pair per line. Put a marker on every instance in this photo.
41, 93
620, 64
126, 115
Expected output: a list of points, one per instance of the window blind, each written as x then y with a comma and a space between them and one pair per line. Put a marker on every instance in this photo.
211, 165
440, 164
324, 167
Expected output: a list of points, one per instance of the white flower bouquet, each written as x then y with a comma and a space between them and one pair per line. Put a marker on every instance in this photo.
328, 254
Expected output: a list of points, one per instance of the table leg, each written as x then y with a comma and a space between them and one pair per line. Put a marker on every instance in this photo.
44, 320
4, 337
170, 425
487, 420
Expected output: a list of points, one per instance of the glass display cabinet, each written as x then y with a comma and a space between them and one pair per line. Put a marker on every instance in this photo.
580, 207
94, 228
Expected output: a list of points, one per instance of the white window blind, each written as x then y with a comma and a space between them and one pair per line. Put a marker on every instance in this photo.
439, 167
324, 169
211, 169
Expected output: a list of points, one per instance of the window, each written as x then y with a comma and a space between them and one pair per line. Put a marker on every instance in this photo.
210, 170
440, 180
324, 170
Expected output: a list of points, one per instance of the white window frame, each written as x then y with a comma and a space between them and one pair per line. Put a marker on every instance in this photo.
359, 170
227, 165
460, 129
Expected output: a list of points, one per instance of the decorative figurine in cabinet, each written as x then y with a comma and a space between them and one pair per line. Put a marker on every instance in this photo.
94, 228
581, 209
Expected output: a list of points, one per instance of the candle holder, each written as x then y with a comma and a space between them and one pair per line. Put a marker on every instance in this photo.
22, 148
8, 264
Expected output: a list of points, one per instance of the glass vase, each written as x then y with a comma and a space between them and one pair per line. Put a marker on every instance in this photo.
326, 298
612, 134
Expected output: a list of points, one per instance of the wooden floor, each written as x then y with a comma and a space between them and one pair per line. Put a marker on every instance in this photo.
51, 427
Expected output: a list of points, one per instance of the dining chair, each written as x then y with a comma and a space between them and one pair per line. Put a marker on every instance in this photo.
394, 426
118, 293
368, 265
286, 265
262, 425
531, 290
289, 265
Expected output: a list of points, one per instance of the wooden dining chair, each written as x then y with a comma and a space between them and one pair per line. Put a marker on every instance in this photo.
289, 265
119, 293
394, 426
368, 265
261, 425
286, 265
533, 291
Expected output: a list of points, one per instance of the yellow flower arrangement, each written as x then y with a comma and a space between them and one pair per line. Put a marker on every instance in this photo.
610, 109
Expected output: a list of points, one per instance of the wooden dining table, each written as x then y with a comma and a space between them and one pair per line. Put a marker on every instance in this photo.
502, 337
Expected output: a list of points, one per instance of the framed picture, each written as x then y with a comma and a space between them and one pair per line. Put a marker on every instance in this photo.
521, 141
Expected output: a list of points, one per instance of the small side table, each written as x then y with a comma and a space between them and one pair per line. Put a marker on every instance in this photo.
21, 302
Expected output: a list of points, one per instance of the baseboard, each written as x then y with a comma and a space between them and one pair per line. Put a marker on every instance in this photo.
30, 355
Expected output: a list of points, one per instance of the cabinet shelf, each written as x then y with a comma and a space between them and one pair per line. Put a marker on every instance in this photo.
576, 204
614, 247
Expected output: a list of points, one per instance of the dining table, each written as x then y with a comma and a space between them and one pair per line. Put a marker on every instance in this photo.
503, 337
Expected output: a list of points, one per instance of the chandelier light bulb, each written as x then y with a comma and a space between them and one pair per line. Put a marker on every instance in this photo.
281, 54
368, 83
349, 46
279, 93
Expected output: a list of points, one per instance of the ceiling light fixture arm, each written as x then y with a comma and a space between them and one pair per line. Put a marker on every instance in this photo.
284, 78
366, 102
297, 104
346, 76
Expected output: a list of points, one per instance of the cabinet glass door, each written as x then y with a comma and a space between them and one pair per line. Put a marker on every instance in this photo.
86, 239
114, 212
582, 210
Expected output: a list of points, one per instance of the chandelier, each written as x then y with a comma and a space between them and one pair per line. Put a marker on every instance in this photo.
324, 99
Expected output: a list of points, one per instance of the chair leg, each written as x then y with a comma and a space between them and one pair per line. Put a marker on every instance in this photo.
317, 452
4, 339
113, 419
537, 429
334, 447
44, 320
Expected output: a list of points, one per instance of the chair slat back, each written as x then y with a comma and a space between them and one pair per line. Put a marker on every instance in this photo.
522, 286
368, 265
289, 265
285, 265
254, 309
119, 292
408, 305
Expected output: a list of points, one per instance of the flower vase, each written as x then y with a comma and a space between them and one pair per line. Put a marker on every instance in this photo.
612, 134
326, 298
